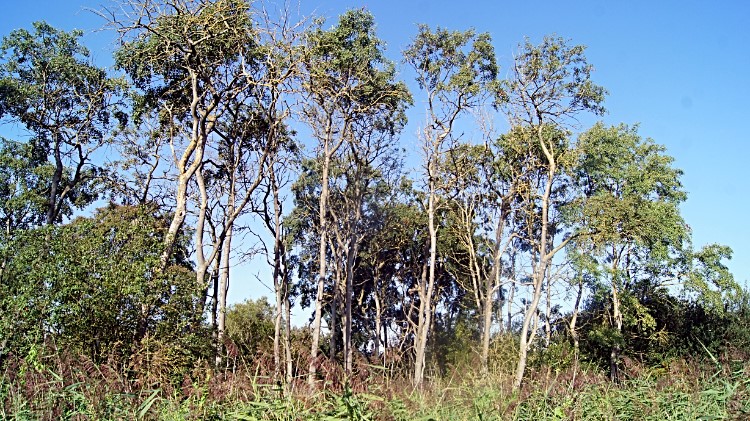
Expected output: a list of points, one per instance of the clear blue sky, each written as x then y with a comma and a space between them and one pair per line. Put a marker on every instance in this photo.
679, 68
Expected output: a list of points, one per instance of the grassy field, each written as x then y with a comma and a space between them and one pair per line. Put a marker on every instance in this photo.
69, 389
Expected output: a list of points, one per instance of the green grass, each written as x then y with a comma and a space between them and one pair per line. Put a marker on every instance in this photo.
676, 392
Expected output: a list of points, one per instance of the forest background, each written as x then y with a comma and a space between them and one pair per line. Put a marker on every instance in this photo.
675, 68
652, 62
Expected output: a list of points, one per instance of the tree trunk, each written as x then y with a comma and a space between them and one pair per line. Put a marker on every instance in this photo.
278, 319
492, 285
540, 269
224, 277
322, 221
426, 290
530, 313
54, 183
201, 126
614, 355
177, 219
335, 305
222, 301
548, 313
348, 351
511, 296
288, 333
202, 264
486, 329
574, 330
215, 297
376, 339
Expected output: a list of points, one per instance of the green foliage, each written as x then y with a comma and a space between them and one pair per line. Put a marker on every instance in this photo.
453, 343
250, 327
632, 192
95, 286
440, 52
350, 80
96, 289
554, 76
50, 86
168, 48
67, 105
23, 181
710, 281
457, 70
658, 326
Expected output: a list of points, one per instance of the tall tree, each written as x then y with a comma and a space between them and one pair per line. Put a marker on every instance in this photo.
66, 104
479, 193
191, 59
549, 86
456, 70
284, 41
632, 195
272, 215
371, 165
348, 80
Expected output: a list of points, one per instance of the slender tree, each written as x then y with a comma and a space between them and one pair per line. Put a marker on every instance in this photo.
550, 85
348, 80
455, 70
190, 60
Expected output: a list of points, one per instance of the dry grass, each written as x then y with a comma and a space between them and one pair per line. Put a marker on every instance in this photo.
56, 385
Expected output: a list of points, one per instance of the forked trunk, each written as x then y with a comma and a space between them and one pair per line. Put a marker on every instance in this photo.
425, 302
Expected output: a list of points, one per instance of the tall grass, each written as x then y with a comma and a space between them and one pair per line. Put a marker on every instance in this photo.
65, 388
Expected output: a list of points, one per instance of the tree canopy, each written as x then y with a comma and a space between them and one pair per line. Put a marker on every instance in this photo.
225, 132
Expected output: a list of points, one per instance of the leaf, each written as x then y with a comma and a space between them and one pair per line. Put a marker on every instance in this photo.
146, 405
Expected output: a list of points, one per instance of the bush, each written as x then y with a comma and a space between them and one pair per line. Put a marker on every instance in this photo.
95, 286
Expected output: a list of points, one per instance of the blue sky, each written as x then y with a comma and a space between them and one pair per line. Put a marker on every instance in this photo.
678, 68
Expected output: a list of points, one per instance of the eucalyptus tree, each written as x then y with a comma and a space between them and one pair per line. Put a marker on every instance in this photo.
348, 80
372, 168
250, 138
549, 87
469, 249
191, 60
217, 78
270, 207
585, 273
456, 71
236, 171
390, 259
66, 104
284, 41
509, 173
482, 183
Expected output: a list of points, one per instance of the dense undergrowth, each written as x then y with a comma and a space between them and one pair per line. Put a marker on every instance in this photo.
62, 387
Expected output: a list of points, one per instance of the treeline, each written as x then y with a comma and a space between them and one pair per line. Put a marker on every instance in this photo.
226, 131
